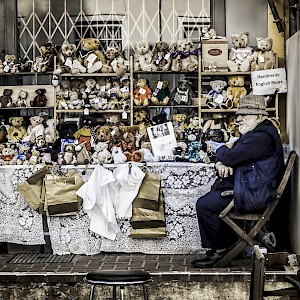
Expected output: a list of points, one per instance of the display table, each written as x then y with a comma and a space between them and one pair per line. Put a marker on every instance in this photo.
182, 183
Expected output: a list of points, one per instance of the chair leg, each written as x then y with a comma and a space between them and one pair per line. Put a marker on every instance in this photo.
92, 292
145, 292
114, 295
122, 292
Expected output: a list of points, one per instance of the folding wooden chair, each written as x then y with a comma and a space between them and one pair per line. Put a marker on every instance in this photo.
257, 282
257, 220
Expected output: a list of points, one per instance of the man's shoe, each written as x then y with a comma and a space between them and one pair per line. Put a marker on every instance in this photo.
208, 254
207, 262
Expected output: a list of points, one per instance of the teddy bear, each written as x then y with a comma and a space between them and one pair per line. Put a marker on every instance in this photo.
64, 89
40, 100
89, 92
182, 94
22, 99
91, 57
35, 130
235, 90
239, 55
140, 118
208, 33
217, 96
34, 158
143, 57
103, 133
45, 62
68, 156
184, 56
74, 101
215, 128
101, 154
86, 132
160, 118
161, 93
8, 156
118, 156
263, 58
179, 124
6, 99
3, 132
161, 56
116, 60
142, 93
23, 154
16, 131
50, 131
8, 65
68, 61
82, 155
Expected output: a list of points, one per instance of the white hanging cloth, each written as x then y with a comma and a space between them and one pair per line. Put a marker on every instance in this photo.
98, 195
130, 178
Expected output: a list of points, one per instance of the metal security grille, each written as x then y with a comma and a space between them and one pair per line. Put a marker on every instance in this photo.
119, 23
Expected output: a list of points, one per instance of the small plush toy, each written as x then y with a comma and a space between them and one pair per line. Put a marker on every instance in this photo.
68, 61
161, 94
68, 156
16, 131
101, 154
86, 131
216, 128
91, 57
64, 89
5, 99
184, 56
182, 94
160, 118
22, 99
74, 102
50, 131
141, 119
161, 56
142, 94
82, 155
263, 58
89, 92
217, 96
193, 152
117, 155
239, 55
235, 91
40, 100
9, 65
179, 124
8, 156
23, 154
116, 60
45, 62
143, 57
208, 33
35, 129
103, 133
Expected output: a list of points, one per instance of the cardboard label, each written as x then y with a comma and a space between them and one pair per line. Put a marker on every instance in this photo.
142, 91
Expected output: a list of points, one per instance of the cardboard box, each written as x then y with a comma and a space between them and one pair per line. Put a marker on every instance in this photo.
215, 50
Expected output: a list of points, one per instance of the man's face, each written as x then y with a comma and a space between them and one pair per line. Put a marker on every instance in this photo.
247, 123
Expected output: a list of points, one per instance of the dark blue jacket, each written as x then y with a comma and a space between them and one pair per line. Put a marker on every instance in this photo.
257, 160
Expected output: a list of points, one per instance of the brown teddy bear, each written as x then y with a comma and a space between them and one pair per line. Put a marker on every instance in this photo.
161, 56
8, 66
5, 99
179, 124
103, 133
141, 119
40, 100
182, 94
45, 62
239, 55
115, 59
91, 57
235, 91
142, 94
161, 93
263, 58
68, 61
16, 131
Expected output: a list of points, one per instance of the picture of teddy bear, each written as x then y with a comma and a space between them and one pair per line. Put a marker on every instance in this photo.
143, 57
68, 61
91, 57
239, 55
16, 131
235, 91
161, 56
142, 93
263, 58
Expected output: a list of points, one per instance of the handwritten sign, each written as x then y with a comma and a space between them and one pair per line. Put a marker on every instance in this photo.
265, 82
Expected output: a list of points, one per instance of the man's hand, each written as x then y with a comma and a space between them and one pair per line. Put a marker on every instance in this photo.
223, 171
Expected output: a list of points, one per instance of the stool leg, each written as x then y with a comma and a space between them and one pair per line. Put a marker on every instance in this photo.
145, 292
122, 292
92, 292
114, 293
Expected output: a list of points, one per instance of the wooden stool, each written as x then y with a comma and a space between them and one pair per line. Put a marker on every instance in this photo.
118, 278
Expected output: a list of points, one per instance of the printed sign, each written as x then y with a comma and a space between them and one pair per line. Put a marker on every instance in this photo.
266, 82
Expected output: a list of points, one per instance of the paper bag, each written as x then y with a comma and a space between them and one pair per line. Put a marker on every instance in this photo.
147, 218
148, 233
31, 189
148, 194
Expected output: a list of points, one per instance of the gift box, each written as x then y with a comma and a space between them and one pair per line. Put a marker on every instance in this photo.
215, 51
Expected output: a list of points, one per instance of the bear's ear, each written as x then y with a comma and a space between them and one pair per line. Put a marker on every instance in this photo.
246, 33
268, 39
258, 39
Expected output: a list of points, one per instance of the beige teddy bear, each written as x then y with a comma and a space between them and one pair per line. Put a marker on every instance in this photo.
115, 59
91, 57
239, 55
235, 91
161, 56
35, 129
179, 124
263, 58
16, 131
143, 57
9, 64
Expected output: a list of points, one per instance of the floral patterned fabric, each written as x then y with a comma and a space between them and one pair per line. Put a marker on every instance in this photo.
19, 223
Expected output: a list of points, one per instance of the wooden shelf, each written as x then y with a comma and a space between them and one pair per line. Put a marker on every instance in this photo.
91, 110
170, 106
224, 73
92, 74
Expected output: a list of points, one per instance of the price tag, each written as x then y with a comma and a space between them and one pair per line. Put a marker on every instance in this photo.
142, 91
184, 98
167, 56
102, 89
261, 58
91, 58
68, 63
159, 84
219, 99
124, 115
86, 111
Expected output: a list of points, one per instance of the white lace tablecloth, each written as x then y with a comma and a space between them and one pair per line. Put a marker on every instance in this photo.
182, 183
18, 222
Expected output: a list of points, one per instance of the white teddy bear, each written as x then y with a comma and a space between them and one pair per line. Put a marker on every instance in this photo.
35, 130
143, 58
101, 154
50, 131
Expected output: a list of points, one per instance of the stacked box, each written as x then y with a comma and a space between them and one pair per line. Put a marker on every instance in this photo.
215, 50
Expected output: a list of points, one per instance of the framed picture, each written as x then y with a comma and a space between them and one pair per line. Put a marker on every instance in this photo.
162, 139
